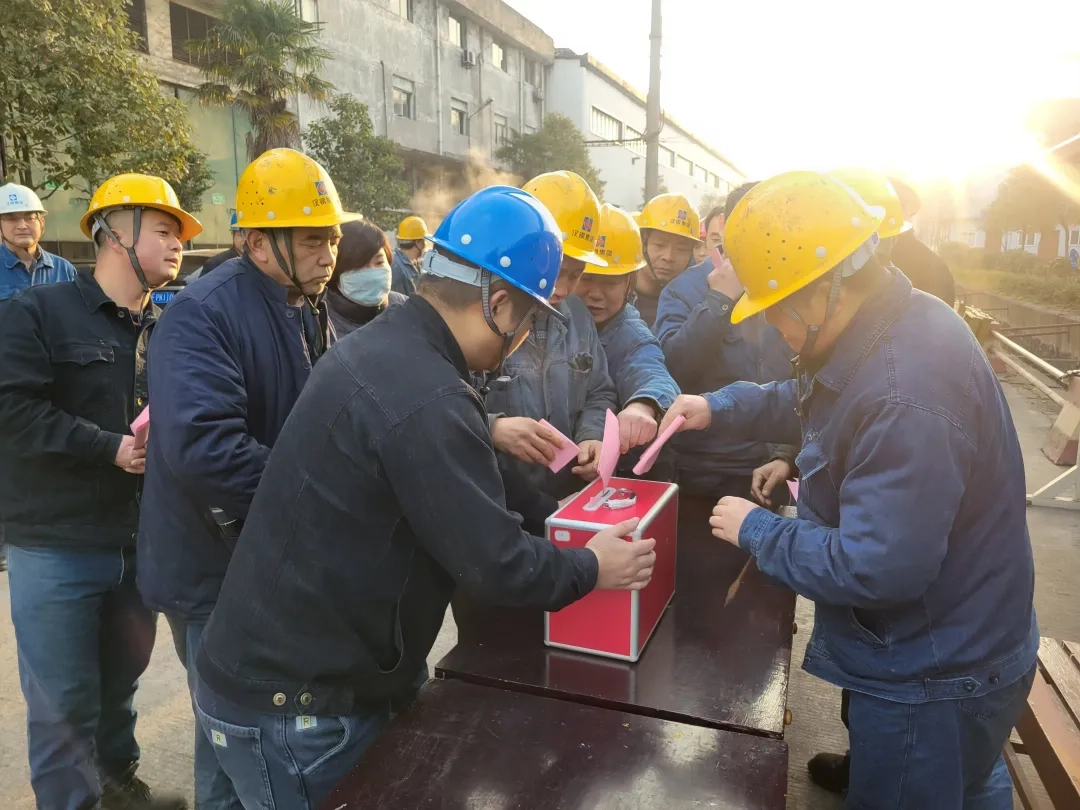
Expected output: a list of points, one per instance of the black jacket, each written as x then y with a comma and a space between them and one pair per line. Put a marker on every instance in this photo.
925, 269
72, 379
226, 365
381, 495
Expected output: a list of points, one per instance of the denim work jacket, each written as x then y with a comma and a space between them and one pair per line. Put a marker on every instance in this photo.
48, 268
911, 536
635, 361
705, 352
560, 373
403, 274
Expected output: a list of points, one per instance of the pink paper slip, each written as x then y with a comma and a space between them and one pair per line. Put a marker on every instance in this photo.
609, 450
141, 428
793, 488
563, 455
648, 458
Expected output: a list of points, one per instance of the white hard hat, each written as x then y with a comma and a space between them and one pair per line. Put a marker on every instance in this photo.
16, 199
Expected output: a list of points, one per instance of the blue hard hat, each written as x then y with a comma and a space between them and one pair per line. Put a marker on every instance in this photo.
233, 224
509, 233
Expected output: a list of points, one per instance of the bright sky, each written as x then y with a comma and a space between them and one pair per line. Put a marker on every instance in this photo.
931, 89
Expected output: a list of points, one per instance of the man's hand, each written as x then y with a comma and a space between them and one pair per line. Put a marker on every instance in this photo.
694, 408
623, 565
588, 459
637, 426
722, 277
129, 458
525, 439
728, 516
767, 477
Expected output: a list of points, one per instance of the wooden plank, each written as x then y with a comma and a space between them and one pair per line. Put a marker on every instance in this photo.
1062, 672
465, 746
1073, 648
1053, 743
1016, 742
1021, 784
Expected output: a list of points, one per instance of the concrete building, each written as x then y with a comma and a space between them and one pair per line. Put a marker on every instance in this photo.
448, 80
606, 108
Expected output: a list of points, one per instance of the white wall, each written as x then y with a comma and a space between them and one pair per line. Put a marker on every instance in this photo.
575, 90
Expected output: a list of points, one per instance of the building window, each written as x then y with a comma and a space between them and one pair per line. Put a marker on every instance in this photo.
700, 173
533, 74
186, 24
636, 138
403, 8
136, 11
530, 129
404, 98
605, 126
501, 130
498, 56
455, 31
667, 157
459, 117
1030, 238
309, 10
683, 165
1074, 237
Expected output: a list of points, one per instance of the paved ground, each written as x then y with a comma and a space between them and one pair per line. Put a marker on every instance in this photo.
165, 725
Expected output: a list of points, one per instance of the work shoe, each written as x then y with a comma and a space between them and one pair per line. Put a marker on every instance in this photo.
132, 793
830, 771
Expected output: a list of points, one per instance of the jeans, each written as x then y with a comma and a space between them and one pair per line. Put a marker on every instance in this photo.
83, 639
941, 755
284, 762
213, 789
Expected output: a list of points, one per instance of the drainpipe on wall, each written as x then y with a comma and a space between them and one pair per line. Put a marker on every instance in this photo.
438, 75
385, 108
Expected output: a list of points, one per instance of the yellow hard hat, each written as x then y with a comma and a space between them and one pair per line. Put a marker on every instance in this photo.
637, 217
138, 191
877, 189
283, 188
576, 210
671, 213
618, 242
411, 229
790, 230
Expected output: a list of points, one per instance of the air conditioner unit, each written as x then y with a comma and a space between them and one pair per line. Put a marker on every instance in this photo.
538, 96
468, 59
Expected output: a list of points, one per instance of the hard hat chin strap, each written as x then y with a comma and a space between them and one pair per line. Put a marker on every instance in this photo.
136, 229
318, 340
438, 265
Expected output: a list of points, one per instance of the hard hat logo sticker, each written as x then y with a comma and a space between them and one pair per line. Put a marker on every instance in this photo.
601, 241
320, 186
586, 225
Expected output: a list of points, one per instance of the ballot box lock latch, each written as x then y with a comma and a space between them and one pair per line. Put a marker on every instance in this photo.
612, 498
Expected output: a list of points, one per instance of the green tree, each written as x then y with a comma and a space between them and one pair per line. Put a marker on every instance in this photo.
365, 167
197, 180
1030, 202
76, 106
258, 56
557, 145
709, 201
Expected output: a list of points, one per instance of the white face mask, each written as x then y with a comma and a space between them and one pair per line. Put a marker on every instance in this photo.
368, 286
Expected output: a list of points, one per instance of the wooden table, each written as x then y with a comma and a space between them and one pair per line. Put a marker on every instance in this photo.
466, 747
1049, 729
706, 664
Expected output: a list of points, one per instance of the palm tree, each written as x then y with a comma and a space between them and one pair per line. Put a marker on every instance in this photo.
257, 56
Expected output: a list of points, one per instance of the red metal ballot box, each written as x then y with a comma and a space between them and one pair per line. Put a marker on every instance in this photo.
616, 624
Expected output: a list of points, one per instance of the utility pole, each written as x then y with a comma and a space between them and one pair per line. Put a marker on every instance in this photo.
652, 107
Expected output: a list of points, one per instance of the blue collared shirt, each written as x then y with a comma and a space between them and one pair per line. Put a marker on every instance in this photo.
48, 268
911, 536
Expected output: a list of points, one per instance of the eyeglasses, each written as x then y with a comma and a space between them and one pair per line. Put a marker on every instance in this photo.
16, 219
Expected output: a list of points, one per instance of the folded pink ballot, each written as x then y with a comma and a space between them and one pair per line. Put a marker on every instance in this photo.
141, 427
610, 449
648, 458
563, 455
793, 488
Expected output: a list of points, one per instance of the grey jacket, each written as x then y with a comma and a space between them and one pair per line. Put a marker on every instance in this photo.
560, 374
